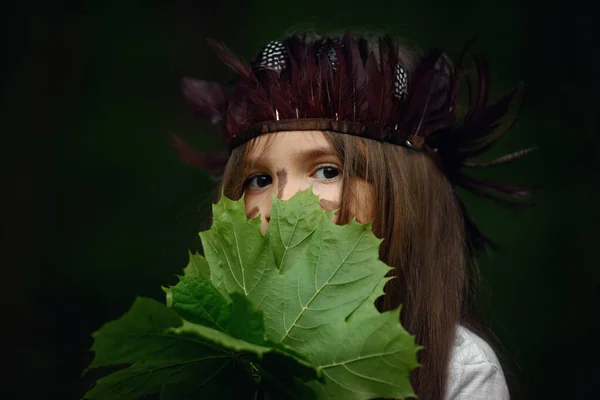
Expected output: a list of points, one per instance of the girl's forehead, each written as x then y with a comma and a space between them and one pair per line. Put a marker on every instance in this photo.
288, 146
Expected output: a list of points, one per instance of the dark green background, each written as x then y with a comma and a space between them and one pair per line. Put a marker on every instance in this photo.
98, 209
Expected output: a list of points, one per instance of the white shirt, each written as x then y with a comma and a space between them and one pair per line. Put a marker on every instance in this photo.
474, 372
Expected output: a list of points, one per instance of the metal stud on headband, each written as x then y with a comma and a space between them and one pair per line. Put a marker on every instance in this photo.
273, 57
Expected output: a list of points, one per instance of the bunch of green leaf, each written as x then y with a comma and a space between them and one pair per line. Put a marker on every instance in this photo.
287, 315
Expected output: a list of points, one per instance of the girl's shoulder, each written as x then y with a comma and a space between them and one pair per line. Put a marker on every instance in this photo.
474, 371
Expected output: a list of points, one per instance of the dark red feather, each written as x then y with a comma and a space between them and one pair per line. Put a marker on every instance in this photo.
207, 99
213, 162
228, 58
374, 89
357, 76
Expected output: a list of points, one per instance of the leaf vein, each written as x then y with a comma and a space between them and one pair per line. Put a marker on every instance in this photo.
324, 284
345, 387
286, 246
361, 358
210, 377
239, 254
230, 269
370, 378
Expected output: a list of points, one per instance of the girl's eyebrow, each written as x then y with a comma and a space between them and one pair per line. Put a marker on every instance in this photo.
317, 152
302, 155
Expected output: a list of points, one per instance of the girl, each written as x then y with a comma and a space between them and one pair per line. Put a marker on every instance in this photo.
375, 130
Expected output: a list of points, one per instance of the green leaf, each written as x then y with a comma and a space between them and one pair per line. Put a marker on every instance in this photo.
330, 269
292, 225
238, 255
304, 272
372, 358
316, 283
197, 300
198, 266
272, 359
334, 280
189, 359
269, 313
142, 338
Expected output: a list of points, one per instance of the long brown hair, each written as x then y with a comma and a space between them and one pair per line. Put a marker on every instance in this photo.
417, 214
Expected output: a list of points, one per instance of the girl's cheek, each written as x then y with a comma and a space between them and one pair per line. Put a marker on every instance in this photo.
329, 197
252, 206
252, 212
256, 205
329, 194
329, 206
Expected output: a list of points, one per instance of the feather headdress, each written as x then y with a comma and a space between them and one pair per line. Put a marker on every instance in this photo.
339, 85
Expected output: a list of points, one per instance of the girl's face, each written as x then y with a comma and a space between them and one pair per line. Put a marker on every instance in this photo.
288, 162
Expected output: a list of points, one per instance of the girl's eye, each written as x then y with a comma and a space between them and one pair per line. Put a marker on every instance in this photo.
259, 181
327, 173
